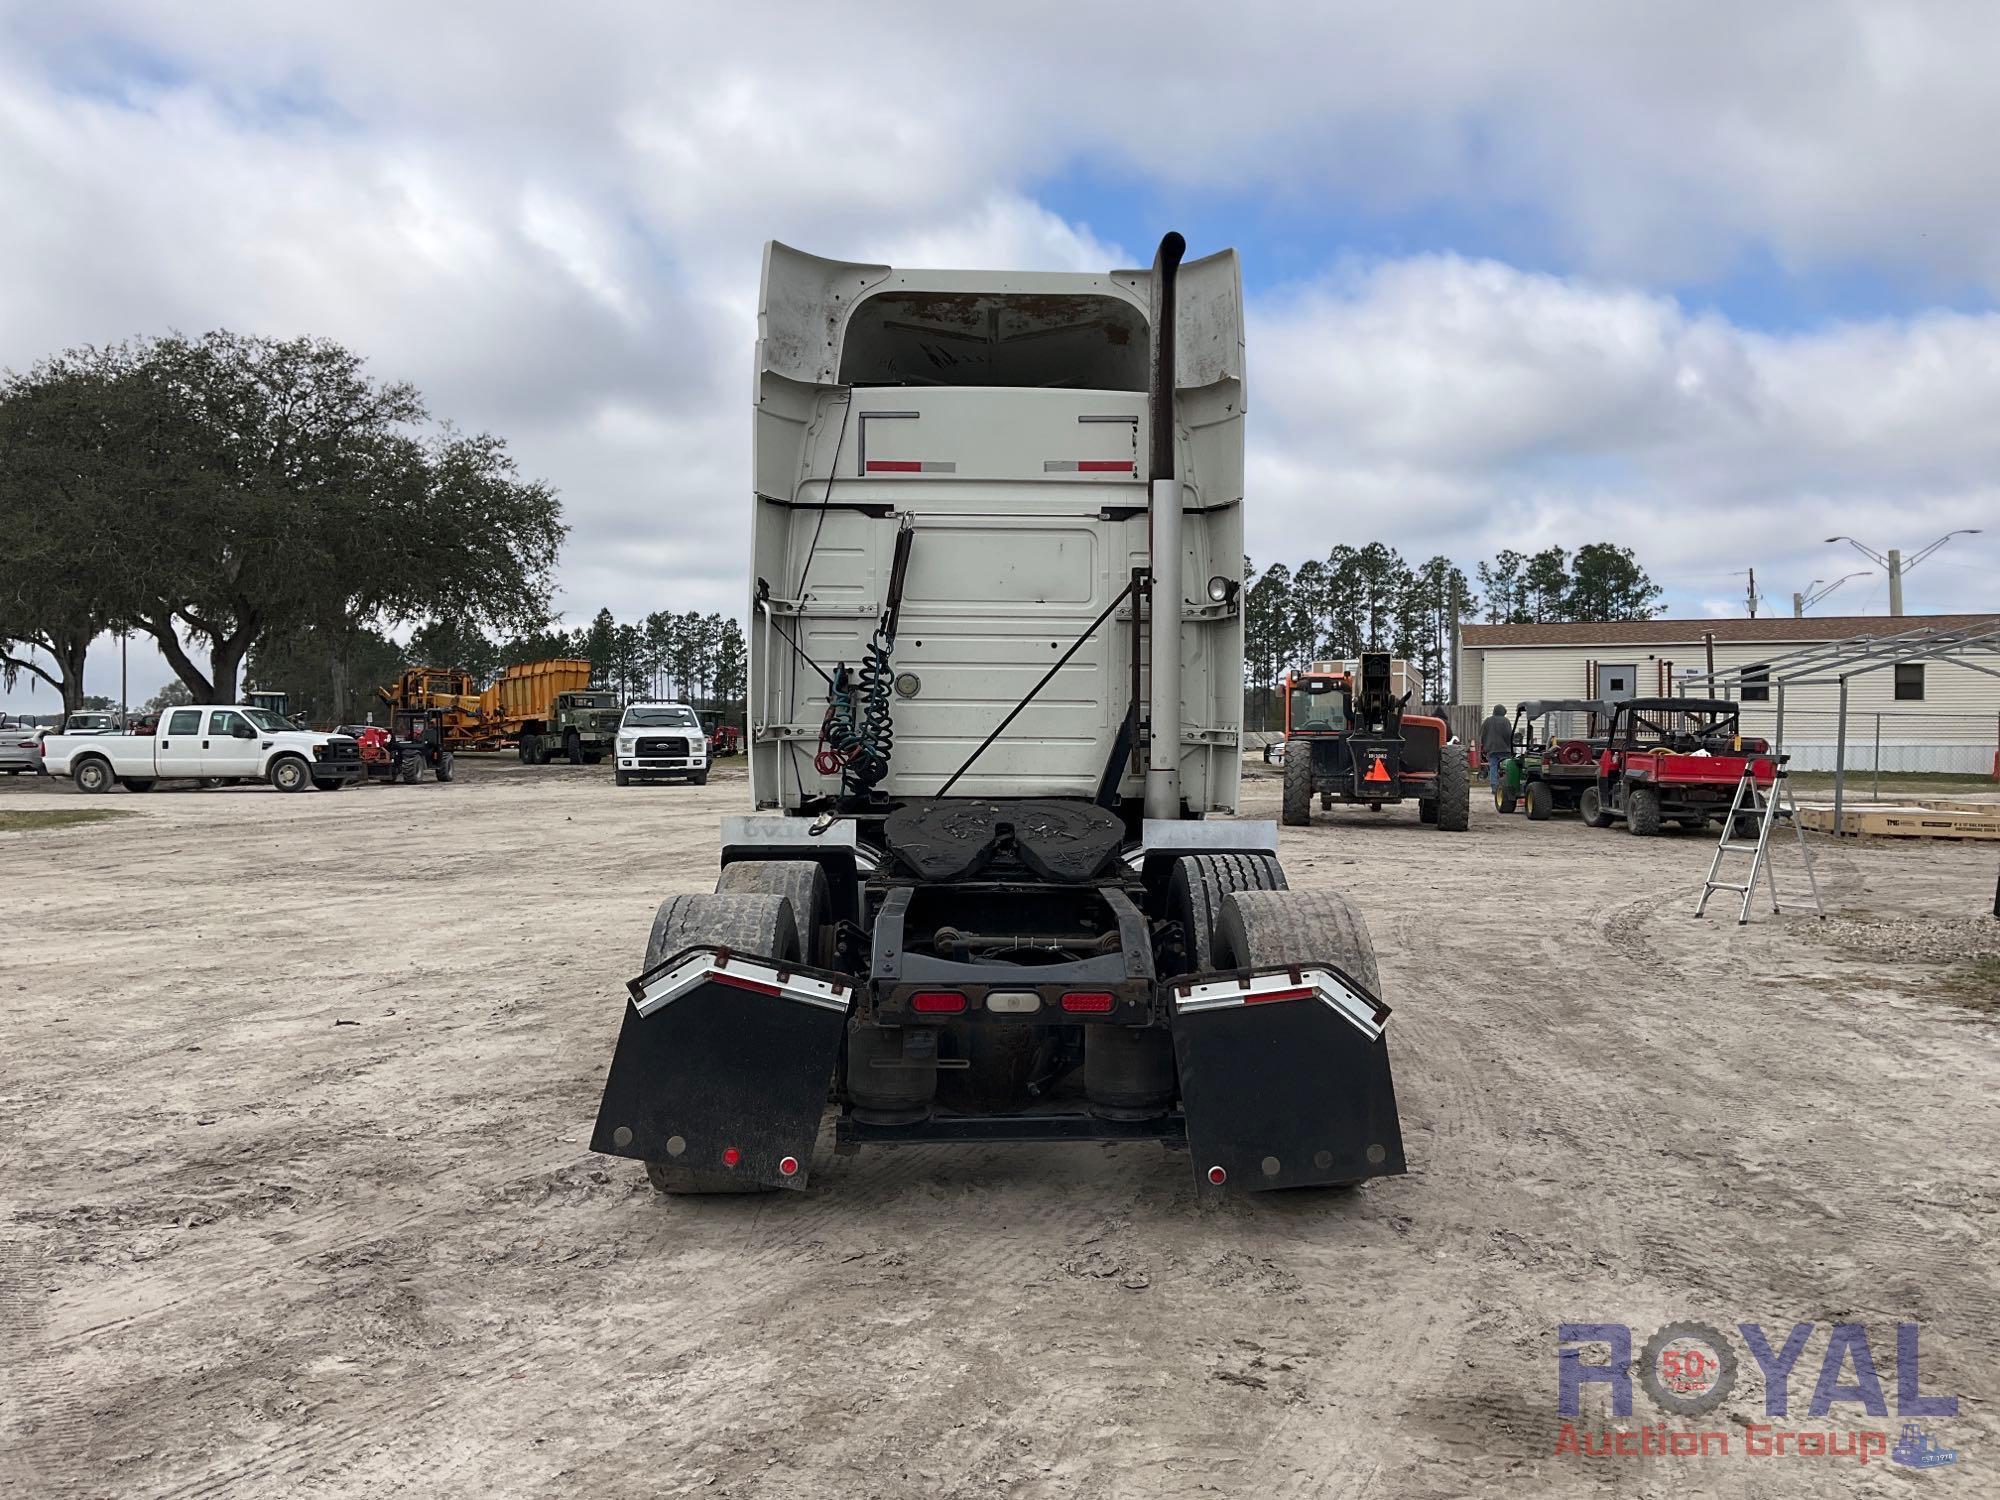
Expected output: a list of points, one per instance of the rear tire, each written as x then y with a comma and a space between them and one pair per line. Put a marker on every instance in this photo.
1454, 794
1427, 812
590, 759
333, 784
1197, 888
138, 786
409, 768
1541, 802
753, 924
1590, 804
1264, 928
1298, 803
445, 768
1642, 812
801, 882
1505, 797
573, 750
93, 775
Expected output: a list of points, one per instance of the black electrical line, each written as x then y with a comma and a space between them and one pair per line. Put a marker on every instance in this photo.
1047, 677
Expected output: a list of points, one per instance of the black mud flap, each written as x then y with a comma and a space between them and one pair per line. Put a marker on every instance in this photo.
723, 1065
1284, 1077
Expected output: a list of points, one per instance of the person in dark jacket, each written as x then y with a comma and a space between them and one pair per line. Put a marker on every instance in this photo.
1496, 743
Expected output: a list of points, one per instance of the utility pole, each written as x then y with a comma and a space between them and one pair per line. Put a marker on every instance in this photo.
1753, 593
1457, 614
1798, 606
1895, 581
124, 708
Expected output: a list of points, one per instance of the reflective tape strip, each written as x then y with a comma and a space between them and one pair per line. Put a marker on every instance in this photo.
1365, 1014
1089, 466
909, 466
699, 966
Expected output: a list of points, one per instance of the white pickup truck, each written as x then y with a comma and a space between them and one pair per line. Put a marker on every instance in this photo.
658, 740
207, 743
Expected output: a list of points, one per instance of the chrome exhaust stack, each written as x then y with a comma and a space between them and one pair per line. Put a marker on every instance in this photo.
1163, 751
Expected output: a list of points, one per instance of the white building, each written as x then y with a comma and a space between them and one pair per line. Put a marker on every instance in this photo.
1925, 715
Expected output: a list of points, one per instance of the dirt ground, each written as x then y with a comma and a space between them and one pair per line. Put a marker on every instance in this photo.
295, 1095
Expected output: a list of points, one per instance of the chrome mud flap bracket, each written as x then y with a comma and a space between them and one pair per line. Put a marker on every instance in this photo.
723, 1065
1284, 1078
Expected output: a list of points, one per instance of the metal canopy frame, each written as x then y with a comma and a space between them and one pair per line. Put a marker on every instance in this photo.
1856, 656
1836, 661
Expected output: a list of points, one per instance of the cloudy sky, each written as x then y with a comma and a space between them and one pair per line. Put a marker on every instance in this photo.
1518, 274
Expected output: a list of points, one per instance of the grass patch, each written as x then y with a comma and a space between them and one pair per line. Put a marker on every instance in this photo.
26, 821
1975, 986
1861, 782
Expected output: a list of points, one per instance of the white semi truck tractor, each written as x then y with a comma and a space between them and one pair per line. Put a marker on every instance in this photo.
992, 887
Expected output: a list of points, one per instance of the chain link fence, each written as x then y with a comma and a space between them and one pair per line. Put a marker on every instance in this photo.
1882, 743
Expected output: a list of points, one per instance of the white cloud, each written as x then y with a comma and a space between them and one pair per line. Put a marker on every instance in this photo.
1440, 402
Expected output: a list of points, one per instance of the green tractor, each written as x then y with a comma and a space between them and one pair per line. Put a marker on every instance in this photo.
581, 727
1556, 745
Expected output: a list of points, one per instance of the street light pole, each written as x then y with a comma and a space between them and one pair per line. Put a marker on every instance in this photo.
1894, 564
1817, 590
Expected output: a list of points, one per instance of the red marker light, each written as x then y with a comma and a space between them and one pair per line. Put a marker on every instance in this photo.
1217, 1176
1088, 1002
731, 1156
937, 1002
789, 1166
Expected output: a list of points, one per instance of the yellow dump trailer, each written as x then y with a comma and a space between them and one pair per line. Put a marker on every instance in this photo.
524, 696
528, 691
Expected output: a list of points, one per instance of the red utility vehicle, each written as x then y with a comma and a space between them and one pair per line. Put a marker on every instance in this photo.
1672, 760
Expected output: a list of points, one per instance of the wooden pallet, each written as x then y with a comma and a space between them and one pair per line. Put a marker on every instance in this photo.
1961, 820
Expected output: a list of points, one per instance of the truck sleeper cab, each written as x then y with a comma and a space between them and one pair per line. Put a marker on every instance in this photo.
990, 887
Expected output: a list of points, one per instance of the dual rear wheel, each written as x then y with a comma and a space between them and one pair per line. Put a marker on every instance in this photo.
761, 923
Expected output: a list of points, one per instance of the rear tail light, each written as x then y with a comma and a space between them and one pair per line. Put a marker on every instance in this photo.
1088, 1002
731, 1156
789, 1167
937, 1002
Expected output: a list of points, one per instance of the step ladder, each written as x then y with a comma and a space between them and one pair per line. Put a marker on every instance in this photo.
1768, 808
